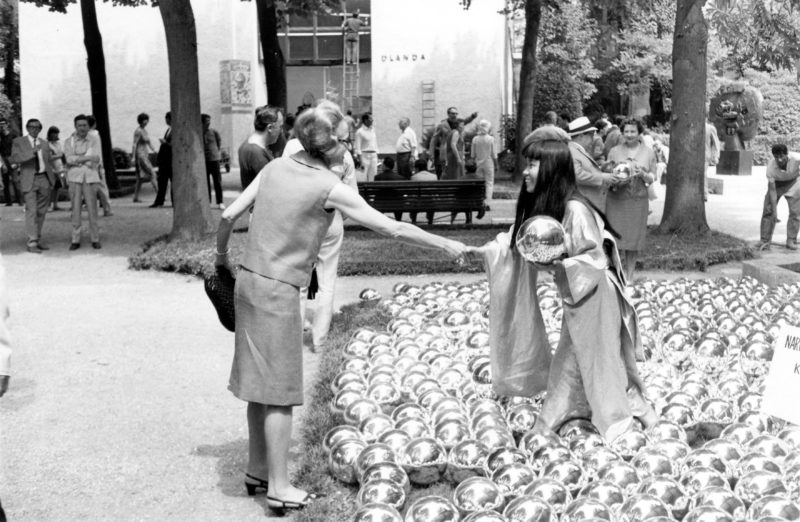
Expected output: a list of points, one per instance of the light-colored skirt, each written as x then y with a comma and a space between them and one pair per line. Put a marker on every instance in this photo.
268, 360
628, 216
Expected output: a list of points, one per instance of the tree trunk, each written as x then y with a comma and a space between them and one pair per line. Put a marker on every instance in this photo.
274, 63
96, 63
527, 81
10, 19
191, 217
684, 209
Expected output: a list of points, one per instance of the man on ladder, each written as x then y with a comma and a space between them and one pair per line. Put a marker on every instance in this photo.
351, 26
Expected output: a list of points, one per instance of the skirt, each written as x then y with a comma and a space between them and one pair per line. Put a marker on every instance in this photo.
268, 359
628, 216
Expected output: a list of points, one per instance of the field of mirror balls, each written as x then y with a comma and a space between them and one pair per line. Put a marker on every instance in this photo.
416, 406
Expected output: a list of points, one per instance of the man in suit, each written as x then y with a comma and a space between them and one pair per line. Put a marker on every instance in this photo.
164, 160
10, 177
592, 182
83, 175
32, 154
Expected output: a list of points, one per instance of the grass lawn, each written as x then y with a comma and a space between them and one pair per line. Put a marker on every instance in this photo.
367, 253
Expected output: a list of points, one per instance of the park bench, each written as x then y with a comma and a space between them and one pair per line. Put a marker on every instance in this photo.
426, 196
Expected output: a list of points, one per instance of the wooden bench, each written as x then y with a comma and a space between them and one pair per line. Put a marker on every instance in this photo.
426, 196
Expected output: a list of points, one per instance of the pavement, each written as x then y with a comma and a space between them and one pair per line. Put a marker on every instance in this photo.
118, 408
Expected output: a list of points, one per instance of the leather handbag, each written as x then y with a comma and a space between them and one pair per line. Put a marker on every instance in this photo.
219, 289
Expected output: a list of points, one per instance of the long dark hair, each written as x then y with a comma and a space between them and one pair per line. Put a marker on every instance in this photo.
555, 186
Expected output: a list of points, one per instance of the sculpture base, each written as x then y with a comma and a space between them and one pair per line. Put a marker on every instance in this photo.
735, 162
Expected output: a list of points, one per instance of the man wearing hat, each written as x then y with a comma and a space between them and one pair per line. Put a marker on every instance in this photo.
592, 182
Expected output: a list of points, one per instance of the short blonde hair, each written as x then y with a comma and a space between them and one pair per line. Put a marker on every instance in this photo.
485, 126
315, 128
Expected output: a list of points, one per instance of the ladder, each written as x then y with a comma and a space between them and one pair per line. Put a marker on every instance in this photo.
428, 105
351, 73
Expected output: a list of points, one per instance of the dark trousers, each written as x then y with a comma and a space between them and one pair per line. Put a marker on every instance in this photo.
164, 179
770, 214
404, 164
11, 184
212, 173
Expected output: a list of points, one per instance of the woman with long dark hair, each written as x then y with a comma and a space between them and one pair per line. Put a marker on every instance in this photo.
593, 371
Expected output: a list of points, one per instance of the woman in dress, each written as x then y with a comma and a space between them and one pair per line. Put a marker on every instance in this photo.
57, 160
627, 203
295, 198
593, 371
141, 155
455, 152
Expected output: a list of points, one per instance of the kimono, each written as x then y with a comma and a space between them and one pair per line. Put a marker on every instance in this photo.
519, 351
593, 372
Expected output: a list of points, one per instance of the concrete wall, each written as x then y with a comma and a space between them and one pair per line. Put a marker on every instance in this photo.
55, 83
464, 52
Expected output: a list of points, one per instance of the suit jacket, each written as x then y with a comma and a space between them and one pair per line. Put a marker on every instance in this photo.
588, 176
164, 157
22, 154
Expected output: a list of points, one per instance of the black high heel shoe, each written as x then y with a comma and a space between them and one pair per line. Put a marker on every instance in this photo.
253, 489
280, 507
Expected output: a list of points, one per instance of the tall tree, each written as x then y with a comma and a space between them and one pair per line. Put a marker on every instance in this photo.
684, 209
274, 62
191, 216
9, 51
96, 64
527, 80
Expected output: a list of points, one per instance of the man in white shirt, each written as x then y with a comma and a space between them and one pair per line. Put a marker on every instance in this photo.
406, 148
783, 181
102, 188
83, 176
366, 147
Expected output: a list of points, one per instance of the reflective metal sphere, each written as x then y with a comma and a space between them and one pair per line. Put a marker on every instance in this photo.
373, 427
696, 479
708, 514
529, 509
620, 473
485, 516
377, 513
584, 508
425, 460
382, 491
499, 457
466, 459
650, 462
669, 491
390, 471
338, 434
432, 508
641, 507
773, 506
720, 498
513, 478
757, 484
476, 494
540, 239
374, 453
342, 460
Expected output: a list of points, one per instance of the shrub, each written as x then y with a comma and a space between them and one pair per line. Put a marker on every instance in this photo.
122, 158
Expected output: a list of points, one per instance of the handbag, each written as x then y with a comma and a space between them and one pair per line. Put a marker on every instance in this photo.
219, 289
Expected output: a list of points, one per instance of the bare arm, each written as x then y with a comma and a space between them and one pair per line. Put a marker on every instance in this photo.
229, 217
346, 200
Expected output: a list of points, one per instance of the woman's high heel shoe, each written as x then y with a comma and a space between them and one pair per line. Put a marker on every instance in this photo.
280, 507
257, 484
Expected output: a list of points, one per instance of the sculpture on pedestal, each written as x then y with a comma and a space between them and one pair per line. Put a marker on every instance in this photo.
736, 110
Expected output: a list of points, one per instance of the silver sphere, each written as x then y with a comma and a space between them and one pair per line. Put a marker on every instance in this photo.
552, 491
374, 453
773, 506
585, 508
485, 516
650, 462
382, 491
338, 434
377, 513
757, 484
720, 498
642, 507
432, 508
425, 460
513, 478
390, 471
342, 460
696, 479
499, 457
466, 459
476, 494
605, 491
620, 473
527, 508
541, 239
708, 514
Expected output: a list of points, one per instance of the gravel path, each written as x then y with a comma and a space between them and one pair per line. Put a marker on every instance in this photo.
118, 408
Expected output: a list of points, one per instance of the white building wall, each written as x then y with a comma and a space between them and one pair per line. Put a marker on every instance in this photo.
464, 53
55, 82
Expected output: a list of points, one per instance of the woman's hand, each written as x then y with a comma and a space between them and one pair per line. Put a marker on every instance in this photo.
223, 260
456, 250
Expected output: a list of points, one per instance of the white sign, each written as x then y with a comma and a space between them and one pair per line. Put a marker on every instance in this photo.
783, 379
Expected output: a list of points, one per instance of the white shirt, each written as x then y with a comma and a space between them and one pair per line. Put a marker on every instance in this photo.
34, 142
366, 140
407, 142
